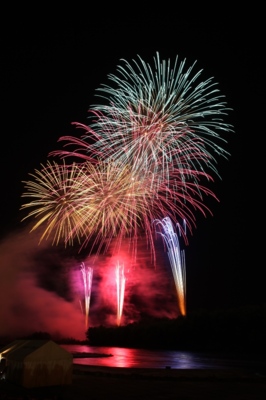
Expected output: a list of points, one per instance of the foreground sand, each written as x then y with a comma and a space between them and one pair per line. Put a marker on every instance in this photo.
148, 384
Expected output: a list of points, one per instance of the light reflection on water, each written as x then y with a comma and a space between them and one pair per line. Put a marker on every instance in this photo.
142, 358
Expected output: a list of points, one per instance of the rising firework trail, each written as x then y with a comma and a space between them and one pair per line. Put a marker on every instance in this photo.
120, 287
87, 273
176, 258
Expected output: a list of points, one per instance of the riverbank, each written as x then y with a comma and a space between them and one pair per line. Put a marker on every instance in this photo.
100, 383
167, 373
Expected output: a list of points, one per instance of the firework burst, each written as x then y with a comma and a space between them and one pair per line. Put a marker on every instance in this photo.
160, 121
160, 117
54, 193
148, 154
105, 201
121, 202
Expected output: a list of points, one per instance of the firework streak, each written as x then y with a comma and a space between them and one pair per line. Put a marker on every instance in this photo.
87, 274
120, 285
176, 258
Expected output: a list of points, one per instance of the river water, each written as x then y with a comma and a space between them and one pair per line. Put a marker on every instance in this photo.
143, 358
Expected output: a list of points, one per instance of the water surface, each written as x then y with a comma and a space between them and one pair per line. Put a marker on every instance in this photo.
143, 358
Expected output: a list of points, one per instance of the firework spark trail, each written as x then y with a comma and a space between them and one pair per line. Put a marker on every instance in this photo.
120, 286
87, 274
176, 258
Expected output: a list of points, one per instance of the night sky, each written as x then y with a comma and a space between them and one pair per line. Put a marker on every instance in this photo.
51, 66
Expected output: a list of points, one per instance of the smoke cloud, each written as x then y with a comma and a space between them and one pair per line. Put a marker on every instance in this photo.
41, 288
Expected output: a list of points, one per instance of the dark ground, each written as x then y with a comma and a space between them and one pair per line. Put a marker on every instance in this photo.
146, 384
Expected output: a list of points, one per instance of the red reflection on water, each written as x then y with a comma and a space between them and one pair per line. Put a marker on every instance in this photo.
104, 357
118, 357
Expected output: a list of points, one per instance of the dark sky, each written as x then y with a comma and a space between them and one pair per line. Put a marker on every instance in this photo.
51, 66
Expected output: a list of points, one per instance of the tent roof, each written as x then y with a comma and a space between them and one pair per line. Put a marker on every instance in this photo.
34, 350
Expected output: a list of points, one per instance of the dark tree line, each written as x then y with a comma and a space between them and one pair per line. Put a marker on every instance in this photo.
237, 330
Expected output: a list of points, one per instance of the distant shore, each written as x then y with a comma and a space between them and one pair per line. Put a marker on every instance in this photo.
90, 355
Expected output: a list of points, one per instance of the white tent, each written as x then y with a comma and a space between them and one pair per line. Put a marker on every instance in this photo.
34, 363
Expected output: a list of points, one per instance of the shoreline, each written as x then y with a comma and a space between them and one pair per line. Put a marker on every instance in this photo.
190, 384
101, 383
169, 373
